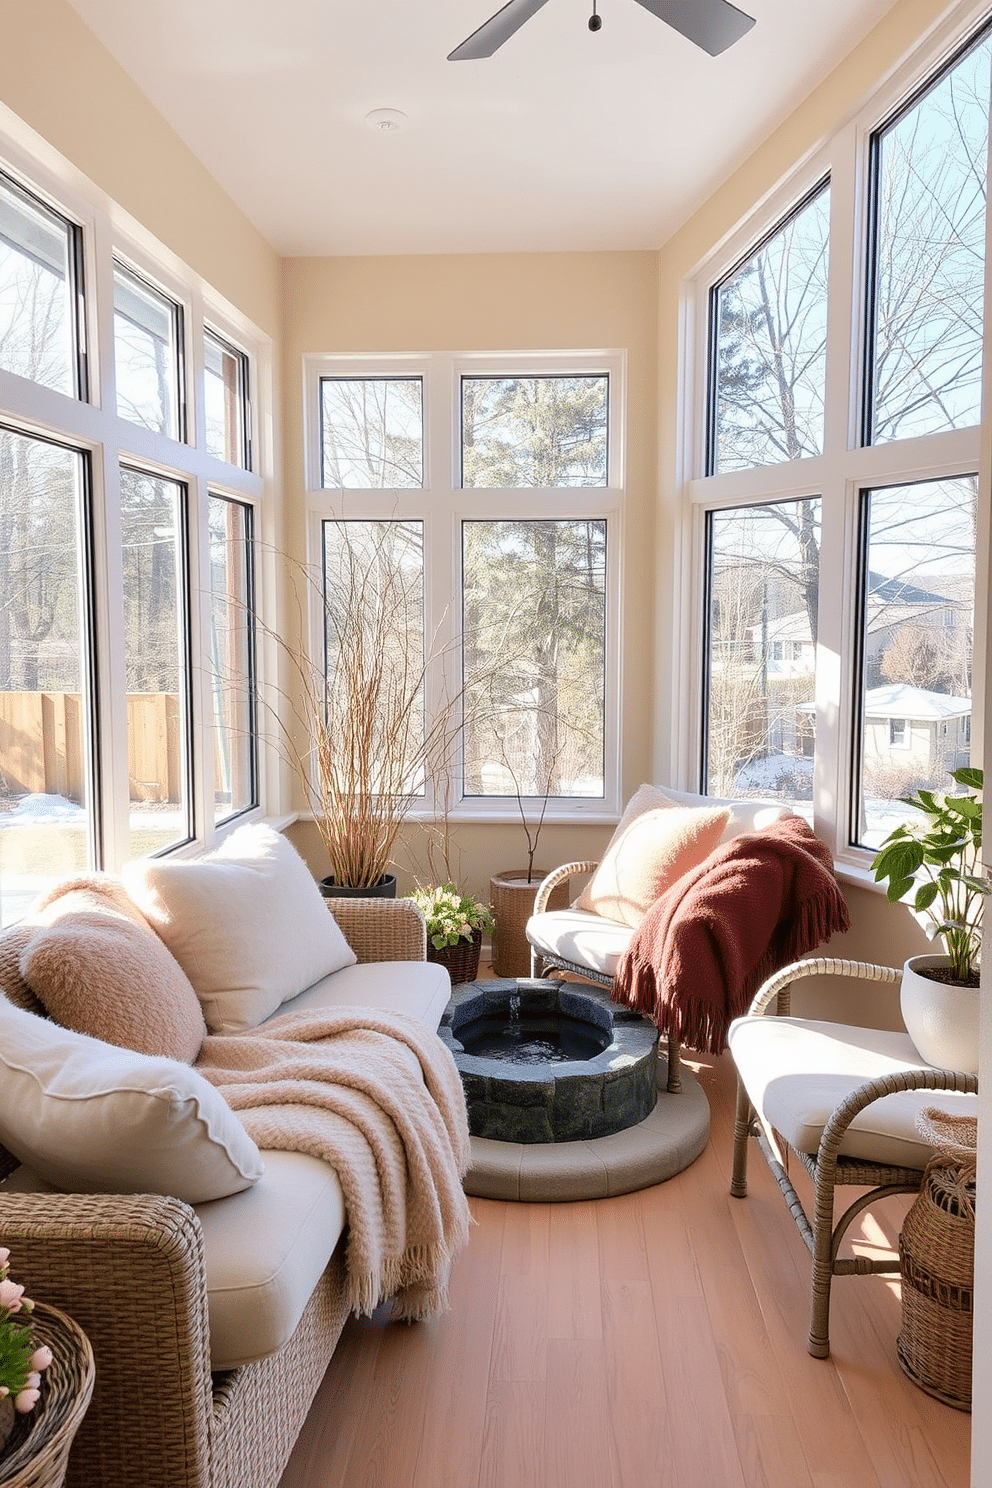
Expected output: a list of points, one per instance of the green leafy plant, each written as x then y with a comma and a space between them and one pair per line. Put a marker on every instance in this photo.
944, 846
451, 915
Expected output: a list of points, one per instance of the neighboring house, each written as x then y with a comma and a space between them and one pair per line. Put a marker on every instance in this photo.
892, 603
922, 731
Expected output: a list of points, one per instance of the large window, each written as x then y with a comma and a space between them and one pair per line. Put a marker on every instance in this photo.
233, 657
917, 626
39, 329
148, 347
769, 354
928, 263
761, 647
520, 532
156, 642
837, 518
127, 600
45, 733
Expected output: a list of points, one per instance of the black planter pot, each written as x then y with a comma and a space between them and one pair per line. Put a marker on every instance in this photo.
384, 889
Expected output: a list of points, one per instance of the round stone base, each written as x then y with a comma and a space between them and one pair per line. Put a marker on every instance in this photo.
657, 1148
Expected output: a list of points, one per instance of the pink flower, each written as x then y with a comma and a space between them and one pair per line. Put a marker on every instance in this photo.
41, 1358
4, 1255
27, 1399
10, 1295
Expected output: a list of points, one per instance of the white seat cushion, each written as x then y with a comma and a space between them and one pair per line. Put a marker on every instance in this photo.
797, 1071
584, 939
420, 988
262, 1259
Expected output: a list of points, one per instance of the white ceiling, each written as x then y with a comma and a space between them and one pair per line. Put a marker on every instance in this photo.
564, 139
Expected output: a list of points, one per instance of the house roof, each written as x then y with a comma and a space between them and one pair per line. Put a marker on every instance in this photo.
899, 700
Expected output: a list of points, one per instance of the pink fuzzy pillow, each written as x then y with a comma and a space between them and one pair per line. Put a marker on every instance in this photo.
100, 972
650, 851
13, 986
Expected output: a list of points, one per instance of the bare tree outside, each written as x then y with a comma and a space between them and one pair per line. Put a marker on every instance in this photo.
930, 262
771, 346
372, 433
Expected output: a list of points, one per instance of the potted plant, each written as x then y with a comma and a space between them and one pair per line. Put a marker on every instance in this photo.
939, 997
356, 738
513, 891
46, 1379
455, 926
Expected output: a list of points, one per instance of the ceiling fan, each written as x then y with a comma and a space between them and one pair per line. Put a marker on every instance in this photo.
713, 25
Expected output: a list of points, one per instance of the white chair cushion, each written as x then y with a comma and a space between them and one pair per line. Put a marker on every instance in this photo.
797, 1071
584, 939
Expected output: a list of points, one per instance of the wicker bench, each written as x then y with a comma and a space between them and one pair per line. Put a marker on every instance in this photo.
130, 1270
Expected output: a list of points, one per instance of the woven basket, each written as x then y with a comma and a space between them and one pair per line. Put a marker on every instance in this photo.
937, 1259
461, 960
37, 1452
512, 896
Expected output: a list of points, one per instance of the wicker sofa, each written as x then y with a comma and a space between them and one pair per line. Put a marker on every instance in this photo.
137, 1271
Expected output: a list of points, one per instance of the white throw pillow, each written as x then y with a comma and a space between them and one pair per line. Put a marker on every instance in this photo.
89, 1117
247, 924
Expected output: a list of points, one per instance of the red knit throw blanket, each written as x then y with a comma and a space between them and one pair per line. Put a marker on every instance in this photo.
705, 947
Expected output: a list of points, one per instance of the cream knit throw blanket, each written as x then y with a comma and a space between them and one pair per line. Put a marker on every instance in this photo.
341, 1084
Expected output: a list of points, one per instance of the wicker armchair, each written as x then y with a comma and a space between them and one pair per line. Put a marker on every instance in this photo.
802, 1087
130, 1270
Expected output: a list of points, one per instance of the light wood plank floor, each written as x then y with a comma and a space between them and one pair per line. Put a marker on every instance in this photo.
650, 1341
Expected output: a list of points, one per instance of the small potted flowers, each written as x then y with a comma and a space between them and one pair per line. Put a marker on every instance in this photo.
21, 1362
455, 926
38, 1418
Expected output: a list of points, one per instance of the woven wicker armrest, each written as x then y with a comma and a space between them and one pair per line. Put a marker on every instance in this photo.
129, 1270
778, 985
559, 875
382, 929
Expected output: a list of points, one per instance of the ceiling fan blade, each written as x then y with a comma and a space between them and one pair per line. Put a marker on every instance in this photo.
713, 25
499, 28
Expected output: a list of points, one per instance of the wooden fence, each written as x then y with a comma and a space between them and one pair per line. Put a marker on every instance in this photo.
41, 744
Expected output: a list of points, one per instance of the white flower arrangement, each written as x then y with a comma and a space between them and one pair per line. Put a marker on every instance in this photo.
451, 915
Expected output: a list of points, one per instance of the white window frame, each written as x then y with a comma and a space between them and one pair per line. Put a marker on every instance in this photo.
842, 471
93, 427
442, 504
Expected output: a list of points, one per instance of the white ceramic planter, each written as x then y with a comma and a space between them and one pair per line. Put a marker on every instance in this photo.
940, 1018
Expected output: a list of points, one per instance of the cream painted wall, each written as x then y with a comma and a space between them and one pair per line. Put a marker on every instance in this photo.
58, 79
505, 302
